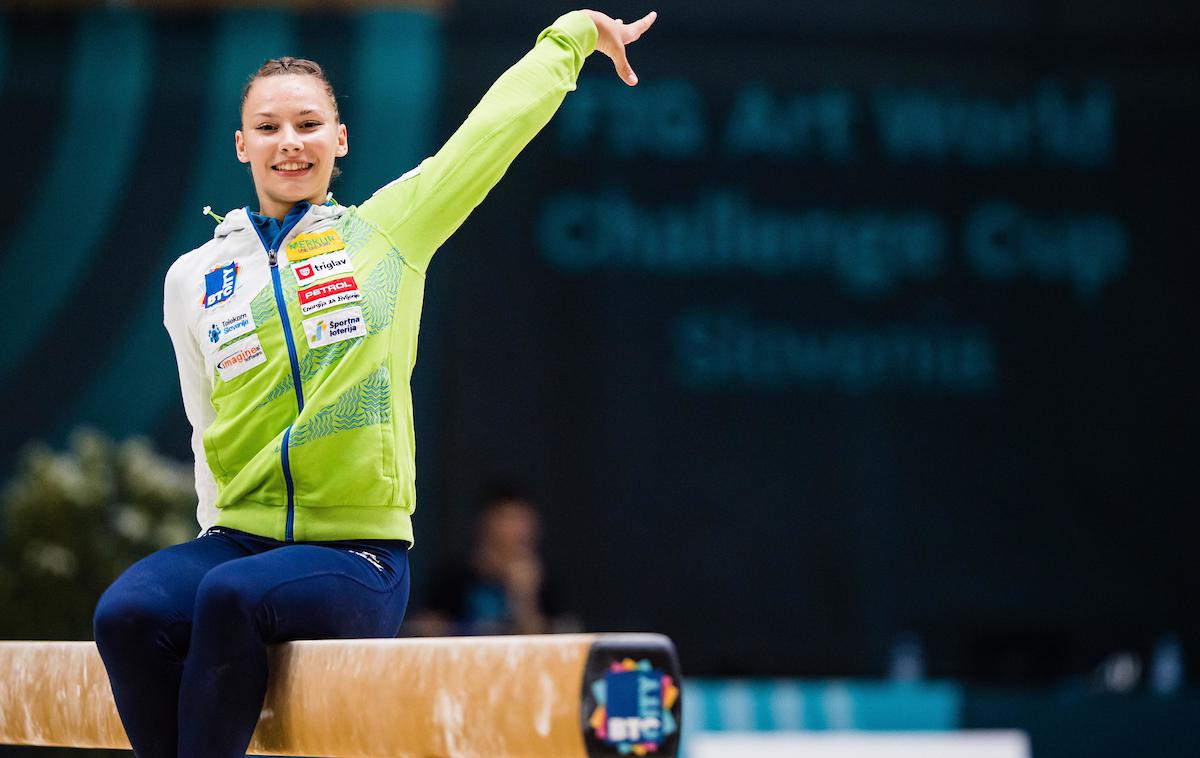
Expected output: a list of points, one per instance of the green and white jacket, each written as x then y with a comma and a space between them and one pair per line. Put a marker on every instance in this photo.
295, 354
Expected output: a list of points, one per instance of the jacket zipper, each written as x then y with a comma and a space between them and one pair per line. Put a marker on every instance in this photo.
273, 261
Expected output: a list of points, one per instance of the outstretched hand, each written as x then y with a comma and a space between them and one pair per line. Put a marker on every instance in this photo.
614, 35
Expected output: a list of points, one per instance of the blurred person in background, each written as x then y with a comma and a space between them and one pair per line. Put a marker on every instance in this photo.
296, 386
502, 587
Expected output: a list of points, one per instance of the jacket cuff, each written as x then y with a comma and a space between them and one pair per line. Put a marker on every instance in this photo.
578, 27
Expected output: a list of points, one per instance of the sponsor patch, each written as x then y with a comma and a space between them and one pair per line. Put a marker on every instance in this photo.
328, 294
311, 244
633, 707
336, 326
240, 357
230, 327
219, 284
321, 266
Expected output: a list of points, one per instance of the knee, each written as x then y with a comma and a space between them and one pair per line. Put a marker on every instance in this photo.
123, 616
224, 596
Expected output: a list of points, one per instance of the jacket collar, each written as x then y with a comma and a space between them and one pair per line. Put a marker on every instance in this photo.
238, 219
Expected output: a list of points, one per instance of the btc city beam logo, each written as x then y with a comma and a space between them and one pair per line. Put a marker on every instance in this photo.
633, 712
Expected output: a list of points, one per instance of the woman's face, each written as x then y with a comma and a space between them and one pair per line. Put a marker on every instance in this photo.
290, 136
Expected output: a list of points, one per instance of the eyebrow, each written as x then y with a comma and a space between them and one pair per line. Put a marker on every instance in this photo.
304, 112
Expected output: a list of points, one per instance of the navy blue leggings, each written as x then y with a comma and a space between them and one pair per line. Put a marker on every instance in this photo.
183, 632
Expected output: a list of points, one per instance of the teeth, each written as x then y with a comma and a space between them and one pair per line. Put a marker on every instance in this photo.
292, 166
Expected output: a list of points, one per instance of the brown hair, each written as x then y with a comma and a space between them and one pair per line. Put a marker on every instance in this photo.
289, 65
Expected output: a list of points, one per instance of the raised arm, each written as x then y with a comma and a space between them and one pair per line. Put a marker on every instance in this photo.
421, 209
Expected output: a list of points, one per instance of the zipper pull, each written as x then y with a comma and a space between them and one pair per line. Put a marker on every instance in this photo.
271, 258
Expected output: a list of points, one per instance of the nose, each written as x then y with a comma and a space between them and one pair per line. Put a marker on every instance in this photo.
289, 140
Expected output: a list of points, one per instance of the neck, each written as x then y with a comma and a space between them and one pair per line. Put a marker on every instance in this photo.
278, 210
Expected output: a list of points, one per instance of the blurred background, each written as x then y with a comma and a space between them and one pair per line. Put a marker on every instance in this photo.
849, 349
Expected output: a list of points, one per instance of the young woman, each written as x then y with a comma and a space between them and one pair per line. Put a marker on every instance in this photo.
295, 332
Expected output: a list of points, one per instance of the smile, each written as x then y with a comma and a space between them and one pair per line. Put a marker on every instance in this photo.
291, 168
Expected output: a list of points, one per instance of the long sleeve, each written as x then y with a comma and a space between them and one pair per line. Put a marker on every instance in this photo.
196, 386
421, 209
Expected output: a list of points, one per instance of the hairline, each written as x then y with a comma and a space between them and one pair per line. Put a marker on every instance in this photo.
318, 74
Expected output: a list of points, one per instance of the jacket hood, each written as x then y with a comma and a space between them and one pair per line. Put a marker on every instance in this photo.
238, 219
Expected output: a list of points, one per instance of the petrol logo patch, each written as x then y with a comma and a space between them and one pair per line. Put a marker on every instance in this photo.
328, 294
231, 327
240, 357
339, 325
219, 284
321, 266
310, 244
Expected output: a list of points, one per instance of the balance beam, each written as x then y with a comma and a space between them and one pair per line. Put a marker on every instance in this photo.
538, 696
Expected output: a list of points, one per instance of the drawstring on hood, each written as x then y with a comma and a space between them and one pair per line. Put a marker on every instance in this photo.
241, 218
208, 211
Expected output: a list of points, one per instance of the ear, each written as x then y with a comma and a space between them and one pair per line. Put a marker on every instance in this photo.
343, 145
239, 146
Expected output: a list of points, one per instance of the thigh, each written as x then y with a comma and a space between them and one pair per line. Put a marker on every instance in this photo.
160, 589
308, 591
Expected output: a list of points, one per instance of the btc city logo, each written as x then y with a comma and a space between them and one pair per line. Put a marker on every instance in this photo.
633, 707
219, 284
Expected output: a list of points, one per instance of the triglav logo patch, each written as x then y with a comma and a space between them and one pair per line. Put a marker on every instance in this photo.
240, 357
321, 266
219, 284
336, 326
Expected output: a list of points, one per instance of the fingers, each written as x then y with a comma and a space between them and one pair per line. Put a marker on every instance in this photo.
637, 28
631, 33
624, 70
625, 34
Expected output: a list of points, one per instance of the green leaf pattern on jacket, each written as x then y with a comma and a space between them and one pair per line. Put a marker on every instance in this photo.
366, 403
